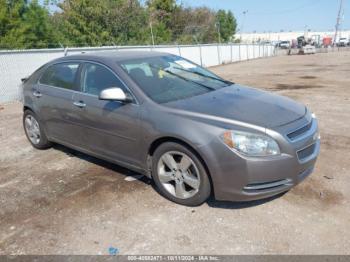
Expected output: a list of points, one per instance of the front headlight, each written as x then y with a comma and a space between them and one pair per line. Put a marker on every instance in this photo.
251, 144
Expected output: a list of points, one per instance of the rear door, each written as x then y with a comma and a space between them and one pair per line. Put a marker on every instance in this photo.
56, 88
111, 127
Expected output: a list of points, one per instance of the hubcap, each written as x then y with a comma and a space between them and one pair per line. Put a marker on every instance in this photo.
32, 129
178, 174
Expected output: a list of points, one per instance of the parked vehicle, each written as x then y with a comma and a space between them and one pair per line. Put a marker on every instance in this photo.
343, 42
301, 41
275, 43
284, 44
327, 41
188, 129
294, 43
307, 50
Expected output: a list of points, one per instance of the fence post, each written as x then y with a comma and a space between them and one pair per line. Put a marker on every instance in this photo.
231, 53
65, 51
219, 57
268, 51
178, 47
247, 46
200, 54
263, 50
239, 47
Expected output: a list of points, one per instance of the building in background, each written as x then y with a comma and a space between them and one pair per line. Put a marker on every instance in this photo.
274, 37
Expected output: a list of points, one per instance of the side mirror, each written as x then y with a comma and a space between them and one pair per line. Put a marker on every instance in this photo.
115, 94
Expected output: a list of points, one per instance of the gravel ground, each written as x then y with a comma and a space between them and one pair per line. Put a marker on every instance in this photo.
60, 201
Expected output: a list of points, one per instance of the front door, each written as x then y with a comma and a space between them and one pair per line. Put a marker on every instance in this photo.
111, 127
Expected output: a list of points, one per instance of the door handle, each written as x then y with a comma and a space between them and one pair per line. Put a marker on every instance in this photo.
79, 104
37, 94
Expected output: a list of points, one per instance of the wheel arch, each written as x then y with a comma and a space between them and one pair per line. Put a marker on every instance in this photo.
27, 108
31, 108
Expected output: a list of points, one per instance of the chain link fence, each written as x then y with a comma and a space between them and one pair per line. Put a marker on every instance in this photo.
16, 64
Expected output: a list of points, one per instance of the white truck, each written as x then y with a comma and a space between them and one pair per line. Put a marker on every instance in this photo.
343, 41
307, 50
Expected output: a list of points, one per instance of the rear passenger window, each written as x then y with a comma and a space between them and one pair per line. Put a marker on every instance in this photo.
96, 78
61, 75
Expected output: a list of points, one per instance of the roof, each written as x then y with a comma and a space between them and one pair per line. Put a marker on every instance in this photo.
117, 55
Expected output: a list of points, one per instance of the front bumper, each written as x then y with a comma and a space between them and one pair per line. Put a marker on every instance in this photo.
239, 178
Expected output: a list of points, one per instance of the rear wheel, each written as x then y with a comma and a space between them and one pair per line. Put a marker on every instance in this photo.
34, 131
180, 175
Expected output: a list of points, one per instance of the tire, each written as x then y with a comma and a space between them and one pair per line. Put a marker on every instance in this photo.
36, 134
185, 186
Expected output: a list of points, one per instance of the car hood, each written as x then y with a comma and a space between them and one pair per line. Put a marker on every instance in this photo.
244, 104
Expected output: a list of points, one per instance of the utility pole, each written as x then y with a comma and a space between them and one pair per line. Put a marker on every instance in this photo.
217, 24
244, 16
337, 26
150, 24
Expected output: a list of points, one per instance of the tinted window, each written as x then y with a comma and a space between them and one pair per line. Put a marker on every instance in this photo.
96, 78
61, 75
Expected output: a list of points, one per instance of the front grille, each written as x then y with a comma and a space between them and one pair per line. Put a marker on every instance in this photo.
306, 152
297, 133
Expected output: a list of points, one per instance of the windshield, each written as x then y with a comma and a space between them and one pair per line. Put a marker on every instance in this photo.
169, 78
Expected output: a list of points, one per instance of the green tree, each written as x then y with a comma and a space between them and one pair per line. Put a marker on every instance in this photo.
36, 27
25, 24
96, 23
194, 25
83, 22
227, 24
28, 24
160, 15
162, 10
130, 23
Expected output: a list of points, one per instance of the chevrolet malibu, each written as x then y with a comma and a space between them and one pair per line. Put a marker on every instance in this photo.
192, 132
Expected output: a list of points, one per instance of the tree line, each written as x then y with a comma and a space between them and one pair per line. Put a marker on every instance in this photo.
29, 24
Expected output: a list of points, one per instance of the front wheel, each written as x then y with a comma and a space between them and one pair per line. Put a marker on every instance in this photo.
179, 175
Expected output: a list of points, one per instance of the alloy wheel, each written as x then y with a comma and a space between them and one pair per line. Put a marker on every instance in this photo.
32, 129
178, 174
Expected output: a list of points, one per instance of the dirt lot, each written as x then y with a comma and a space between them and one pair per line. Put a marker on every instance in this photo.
63, 202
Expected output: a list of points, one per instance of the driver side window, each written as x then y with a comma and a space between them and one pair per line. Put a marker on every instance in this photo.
96, 78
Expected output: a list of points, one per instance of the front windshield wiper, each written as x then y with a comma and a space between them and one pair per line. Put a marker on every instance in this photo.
188, 80
204, 75
183, 78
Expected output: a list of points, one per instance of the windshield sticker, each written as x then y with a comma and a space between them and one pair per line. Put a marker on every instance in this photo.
160, 73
